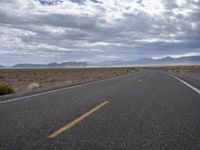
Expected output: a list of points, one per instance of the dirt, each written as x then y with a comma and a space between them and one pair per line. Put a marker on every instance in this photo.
20, 79
189, 69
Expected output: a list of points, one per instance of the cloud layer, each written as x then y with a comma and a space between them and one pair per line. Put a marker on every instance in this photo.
43, 31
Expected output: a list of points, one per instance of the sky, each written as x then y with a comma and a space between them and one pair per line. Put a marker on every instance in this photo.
46, 31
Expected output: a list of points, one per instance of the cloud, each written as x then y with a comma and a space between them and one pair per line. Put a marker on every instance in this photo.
42, 31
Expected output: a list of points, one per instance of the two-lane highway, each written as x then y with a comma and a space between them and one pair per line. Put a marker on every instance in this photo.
143, 110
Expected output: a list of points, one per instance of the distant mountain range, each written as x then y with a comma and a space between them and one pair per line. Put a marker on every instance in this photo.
192, 60
52, 65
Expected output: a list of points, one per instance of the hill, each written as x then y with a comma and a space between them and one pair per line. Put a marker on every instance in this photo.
52, 65
192, 60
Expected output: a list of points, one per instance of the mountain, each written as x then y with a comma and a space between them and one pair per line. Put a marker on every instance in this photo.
191, 60
143, 61
166, 59
182, 60
112, 62
68, 64
73, 64
125, 62
53, 65
26, 65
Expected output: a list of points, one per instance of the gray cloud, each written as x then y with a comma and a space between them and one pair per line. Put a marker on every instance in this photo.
97, 30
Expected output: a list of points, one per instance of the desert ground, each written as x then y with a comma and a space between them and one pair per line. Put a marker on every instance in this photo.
178, 69
27, 80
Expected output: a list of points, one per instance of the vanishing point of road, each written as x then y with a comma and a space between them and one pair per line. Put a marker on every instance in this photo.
143, 110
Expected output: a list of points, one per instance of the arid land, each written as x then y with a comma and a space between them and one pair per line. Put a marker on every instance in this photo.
27, 80
178, 69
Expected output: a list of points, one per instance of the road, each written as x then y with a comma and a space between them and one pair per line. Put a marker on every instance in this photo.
191, 78
143, 110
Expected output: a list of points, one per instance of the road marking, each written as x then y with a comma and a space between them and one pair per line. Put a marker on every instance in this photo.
52, 91
57, 90
79, 119
140, 80
187, 84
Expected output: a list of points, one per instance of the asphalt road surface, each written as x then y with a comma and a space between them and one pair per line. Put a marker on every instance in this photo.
191, 78
143, 110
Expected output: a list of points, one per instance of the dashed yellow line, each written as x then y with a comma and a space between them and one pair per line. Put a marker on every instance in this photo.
79, 119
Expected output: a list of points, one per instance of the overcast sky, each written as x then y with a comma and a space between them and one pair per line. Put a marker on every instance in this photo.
44, 31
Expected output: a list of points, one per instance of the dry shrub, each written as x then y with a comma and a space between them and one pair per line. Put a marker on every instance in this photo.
6, 89
34, 86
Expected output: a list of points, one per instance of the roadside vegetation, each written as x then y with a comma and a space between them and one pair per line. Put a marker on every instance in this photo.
34, 86
6, 89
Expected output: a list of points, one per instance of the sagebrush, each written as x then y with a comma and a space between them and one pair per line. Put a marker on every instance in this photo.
6, 89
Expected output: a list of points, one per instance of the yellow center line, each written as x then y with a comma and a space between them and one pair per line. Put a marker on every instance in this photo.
79, 119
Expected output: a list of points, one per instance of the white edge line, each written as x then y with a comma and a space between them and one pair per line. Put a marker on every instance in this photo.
57, 90
187, 84
52, 91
